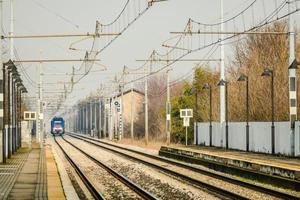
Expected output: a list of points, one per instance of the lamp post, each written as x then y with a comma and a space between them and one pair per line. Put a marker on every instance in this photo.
208, 87
243, 77
4, 107
18, 113
11, 69
16, 79
22, 91
269, 73
195, 91
223, 83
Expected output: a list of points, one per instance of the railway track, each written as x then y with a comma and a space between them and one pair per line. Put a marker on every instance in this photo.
82, 176
219, 191
136, 188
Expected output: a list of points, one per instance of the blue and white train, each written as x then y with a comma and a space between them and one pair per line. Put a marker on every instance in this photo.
57, 126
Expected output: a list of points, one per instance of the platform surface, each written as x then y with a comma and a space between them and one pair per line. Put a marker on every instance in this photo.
276, 164
259, 158
30, 174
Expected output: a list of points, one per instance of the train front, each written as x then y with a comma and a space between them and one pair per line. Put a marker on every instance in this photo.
57, 126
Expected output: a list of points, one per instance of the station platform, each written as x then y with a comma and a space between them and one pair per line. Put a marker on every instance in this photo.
31, 174
219, 159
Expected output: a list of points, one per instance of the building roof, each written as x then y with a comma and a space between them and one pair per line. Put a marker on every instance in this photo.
128, 91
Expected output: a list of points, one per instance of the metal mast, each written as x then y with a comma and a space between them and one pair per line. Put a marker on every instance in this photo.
222, 75
292, 80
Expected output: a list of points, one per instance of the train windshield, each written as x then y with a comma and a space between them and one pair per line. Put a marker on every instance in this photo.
57, 123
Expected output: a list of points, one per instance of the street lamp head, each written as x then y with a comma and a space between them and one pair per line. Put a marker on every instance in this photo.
267, 72
19, 84
13, 68
25, 90
242, 77
206, 86
17, 80
15, 73
10, 65
222, 82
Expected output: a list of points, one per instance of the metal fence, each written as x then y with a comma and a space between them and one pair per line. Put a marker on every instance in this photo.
259, 136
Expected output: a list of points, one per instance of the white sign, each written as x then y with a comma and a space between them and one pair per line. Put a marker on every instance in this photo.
41, 116
29, 116
118, 106
186, 122
107, 106
186, 113
168, 117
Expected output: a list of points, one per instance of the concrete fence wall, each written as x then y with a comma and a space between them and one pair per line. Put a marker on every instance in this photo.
259, 136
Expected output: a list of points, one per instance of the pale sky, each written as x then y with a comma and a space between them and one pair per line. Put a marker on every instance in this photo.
145, 35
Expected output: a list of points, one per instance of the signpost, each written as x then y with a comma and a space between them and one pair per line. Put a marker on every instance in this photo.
186, 114
120, 120
29, 116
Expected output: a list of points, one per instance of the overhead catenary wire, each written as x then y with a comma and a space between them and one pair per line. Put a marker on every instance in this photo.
55, 13
269, 19
122, 29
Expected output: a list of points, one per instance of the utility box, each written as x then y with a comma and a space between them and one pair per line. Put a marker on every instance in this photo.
26, 134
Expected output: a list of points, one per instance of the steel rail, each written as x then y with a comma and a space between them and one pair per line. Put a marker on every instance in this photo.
136, 188
84, 179
219, 192
262, 189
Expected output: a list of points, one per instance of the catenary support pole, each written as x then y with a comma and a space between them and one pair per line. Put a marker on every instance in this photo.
131, 113
146, 101
100, 118
121, 126
111, 121
222, 75
247, 114
292, 81
20, 118
86, 118
90, 118
2, 141
168, 109
9, 113
273, 114
210, 116
196, 115
226, 116
13, 119
105, 118
9, 132
41, 103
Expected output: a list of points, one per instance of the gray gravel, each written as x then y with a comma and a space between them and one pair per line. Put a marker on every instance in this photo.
152, 180
251, 194
105, 183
